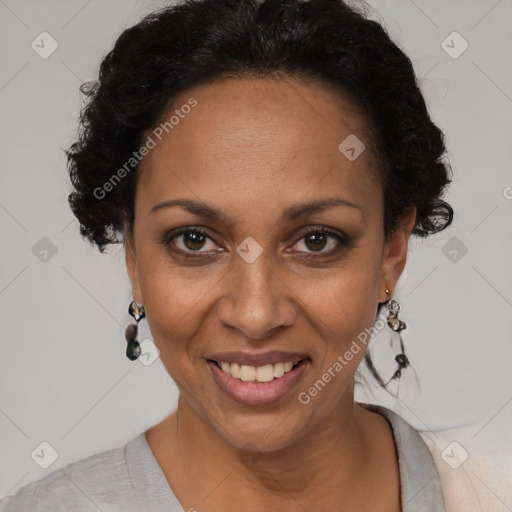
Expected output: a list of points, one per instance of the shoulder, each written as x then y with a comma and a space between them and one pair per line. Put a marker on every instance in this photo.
86, 484
419, 478
407, 438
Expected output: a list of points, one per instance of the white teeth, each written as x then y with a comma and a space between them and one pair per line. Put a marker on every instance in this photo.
234, 370
265, 373
278, 370
247, 373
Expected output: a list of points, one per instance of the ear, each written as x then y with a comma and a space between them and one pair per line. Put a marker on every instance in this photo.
131, 265
395, 255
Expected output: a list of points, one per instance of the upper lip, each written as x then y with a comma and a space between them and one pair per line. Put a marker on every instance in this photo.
258, 359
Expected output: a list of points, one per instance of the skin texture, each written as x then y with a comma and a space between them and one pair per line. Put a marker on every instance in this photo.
251, 148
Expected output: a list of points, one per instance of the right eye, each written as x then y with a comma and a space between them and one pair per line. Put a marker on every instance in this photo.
189, 240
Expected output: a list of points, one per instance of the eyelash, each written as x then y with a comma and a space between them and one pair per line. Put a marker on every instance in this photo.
343, 240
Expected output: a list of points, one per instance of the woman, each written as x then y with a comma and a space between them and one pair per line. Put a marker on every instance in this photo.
264, 164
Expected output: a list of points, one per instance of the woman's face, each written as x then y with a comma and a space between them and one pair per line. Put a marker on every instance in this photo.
259, 153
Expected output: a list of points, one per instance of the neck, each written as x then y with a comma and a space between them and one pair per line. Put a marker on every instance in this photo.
325, 464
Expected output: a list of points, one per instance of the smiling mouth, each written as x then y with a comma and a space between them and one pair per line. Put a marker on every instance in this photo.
265, 373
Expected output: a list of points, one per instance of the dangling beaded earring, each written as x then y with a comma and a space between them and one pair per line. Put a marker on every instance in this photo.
397, 325
393, 307
133, 349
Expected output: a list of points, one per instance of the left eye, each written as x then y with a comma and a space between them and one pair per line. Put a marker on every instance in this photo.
318, 240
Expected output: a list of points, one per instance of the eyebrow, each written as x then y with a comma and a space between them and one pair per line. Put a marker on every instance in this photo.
291, 213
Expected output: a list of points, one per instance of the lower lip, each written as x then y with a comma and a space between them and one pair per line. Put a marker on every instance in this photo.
258, 393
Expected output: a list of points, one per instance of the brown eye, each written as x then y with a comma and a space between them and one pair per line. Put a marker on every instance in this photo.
191, 240
322, 241
316, 241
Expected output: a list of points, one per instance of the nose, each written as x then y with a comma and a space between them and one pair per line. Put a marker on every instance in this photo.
256, 301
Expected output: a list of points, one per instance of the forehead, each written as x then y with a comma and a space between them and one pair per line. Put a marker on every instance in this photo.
258, 139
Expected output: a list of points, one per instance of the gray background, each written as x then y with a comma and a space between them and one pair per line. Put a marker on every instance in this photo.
64, 378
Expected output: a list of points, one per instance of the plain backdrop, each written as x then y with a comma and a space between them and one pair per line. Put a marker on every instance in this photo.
64, 378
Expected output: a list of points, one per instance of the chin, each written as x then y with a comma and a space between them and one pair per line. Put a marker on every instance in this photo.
266, 429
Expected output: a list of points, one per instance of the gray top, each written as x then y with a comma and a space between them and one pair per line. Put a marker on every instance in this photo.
129, 479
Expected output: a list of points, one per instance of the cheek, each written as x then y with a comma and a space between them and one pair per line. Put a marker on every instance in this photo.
171, 292
174, 300
174, 307
343, 312
344, 300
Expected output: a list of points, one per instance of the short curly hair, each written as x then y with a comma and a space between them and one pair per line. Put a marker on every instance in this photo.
199, 41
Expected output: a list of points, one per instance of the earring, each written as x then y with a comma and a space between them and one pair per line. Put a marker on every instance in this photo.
133, 349
397, 325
